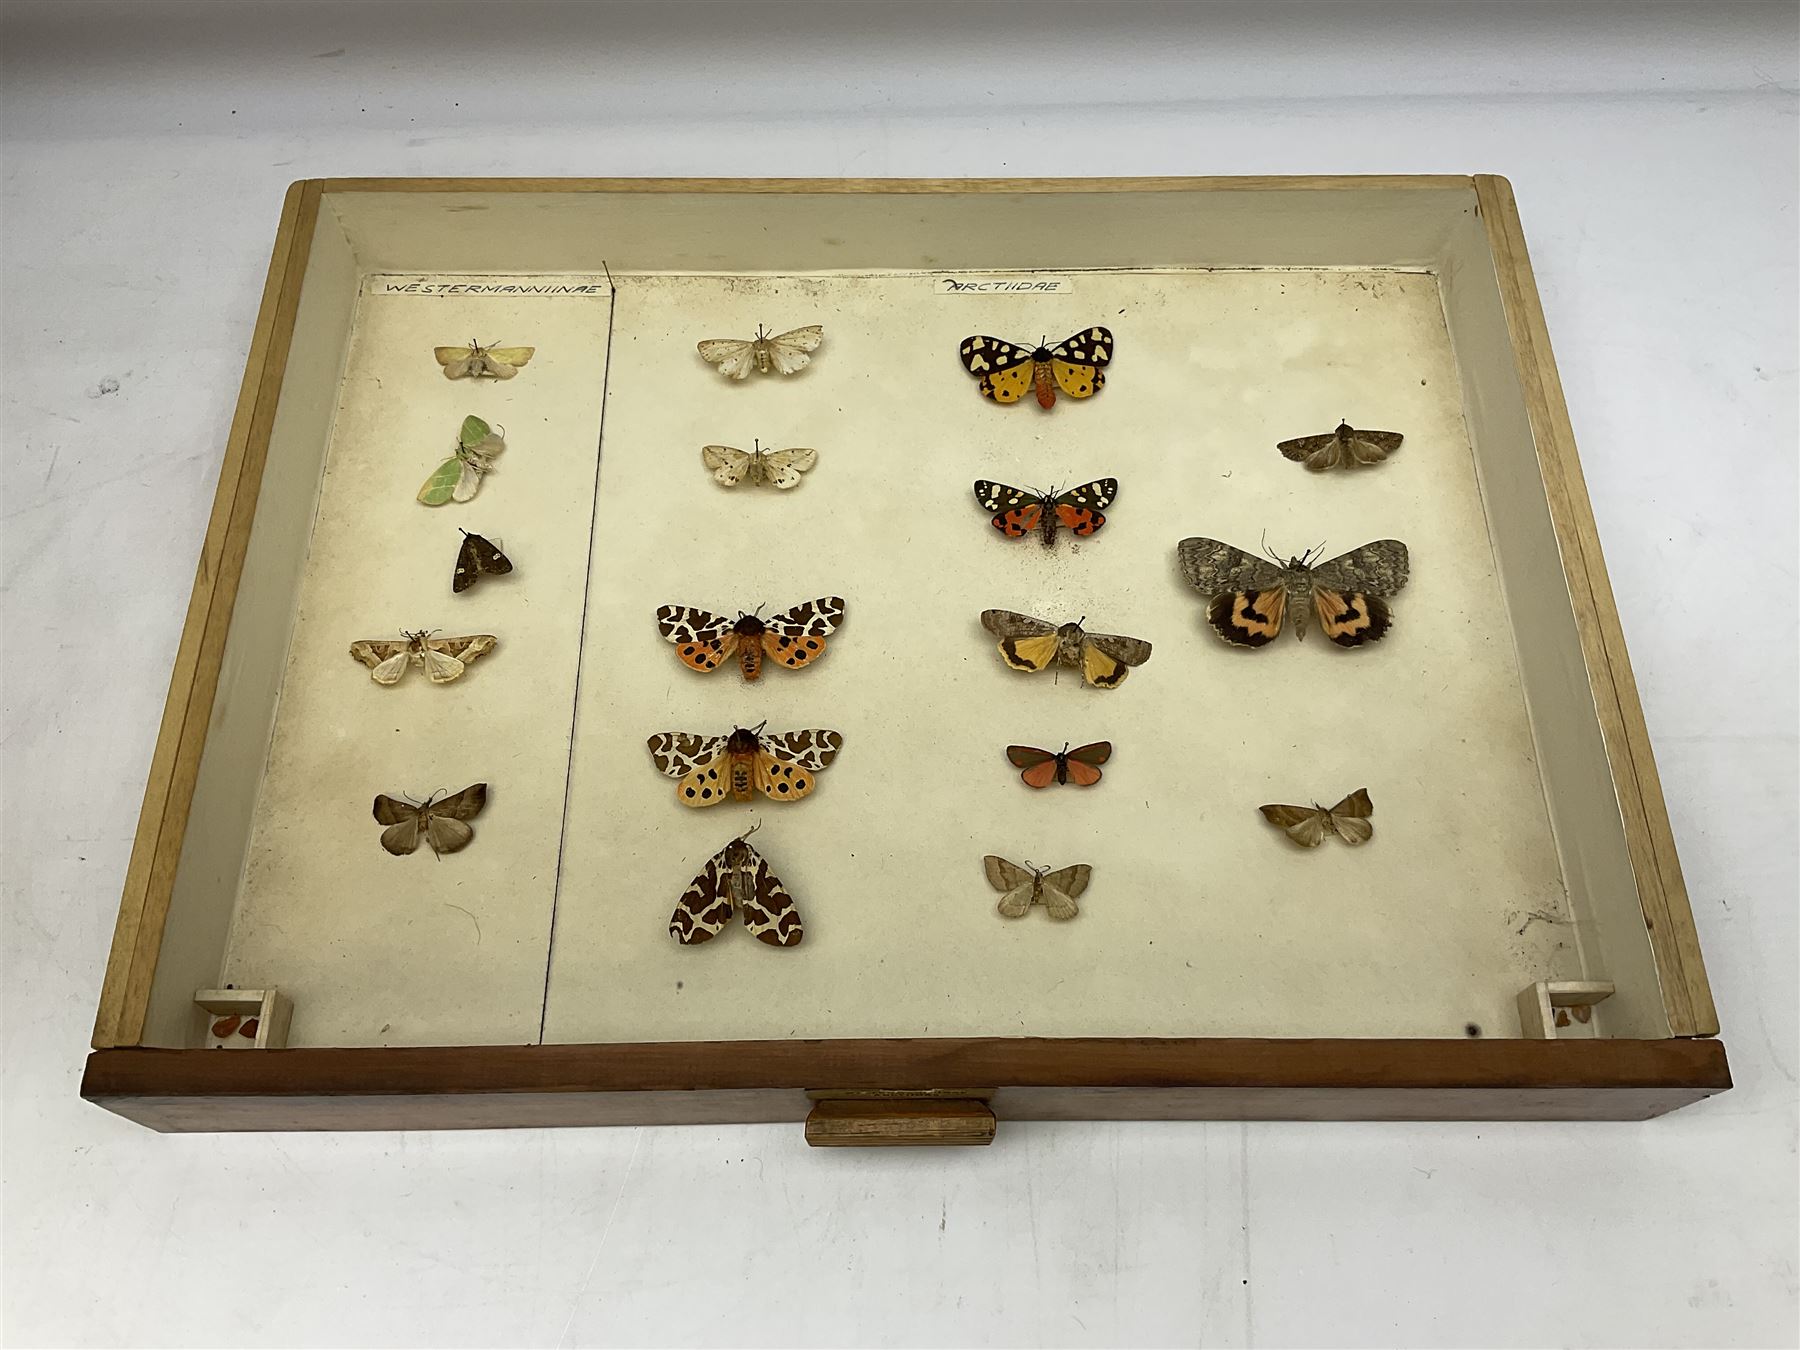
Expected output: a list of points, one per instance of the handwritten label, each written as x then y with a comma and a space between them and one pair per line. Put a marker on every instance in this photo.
465, 286
1025, 285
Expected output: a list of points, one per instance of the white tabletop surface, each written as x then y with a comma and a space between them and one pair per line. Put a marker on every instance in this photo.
145, 151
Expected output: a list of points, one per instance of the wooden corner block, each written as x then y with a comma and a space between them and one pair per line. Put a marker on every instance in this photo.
244, 1019
874, 1122
1551, 1003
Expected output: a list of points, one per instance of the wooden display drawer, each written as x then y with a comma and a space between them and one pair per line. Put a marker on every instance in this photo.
1514, 942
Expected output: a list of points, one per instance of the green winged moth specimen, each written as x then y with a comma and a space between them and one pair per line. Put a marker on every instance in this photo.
459, 477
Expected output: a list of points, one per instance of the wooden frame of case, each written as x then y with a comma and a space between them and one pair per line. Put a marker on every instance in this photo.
901, 1090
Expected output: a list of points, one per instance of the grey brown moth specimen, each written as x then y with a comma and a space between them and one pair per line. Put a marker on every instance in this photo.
1028, 644
1307, 826
1251, 597
477, 361
779, 764
444, 822
442, 659
476, 557
759, 467
736, 878
784, 353
1024, 887
1345, 446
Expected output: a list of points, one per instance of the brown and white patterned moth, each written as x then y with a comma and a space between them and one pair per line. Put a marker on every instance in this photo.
1250, 597
1345, 446
1024, 887
1028, 644
442, 659
760, 467
736, 878
779, 764
1307, 826
793, 638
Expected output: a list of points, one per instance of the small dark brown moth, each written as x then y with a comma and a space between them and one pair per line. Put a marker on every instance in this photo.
442, 820
1346, 446
475, 556
1307, 826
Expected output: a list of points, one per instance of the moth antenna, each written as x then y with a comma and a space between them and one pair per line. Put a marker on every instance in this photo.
752, 830
604, 268
759, 726
1317, 552
1065, 748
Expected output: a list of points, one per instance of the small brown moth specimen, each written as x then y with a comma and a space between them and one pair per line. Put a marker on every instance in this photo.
1080, 766
712, 769
443, 659
784, 353
1250, 597
475, 360
1028, 886
737, 878
1346, 446
1028, 644
474, 557
443, 821
1307, 826
793, 638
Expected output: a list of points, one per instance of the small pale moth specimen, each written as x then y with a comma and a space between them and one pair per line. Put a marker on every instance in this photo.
1080, 766
442, 820
1006, 371
459, 477
759, 467
794, 638
1307, 826
1346, 446
476, 558
476, 361
1026, 886
734, 767
1249, 598
1017, 512
785, 353
736, 878
442, 659
1028, 644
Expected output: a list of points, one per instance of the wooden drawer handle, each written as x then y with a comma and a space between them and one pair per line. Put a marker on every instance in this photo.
865, 1122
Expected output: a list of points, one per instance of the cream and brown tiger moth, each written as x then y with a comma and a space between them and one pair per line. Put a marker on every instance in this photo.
794, 638
736, 879
734, 767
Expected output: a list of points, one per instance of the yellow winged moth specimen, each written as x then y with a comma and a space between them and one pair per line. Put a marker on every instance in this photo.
782, 765
1031, 644
442, 659
1307, 826
783, 354
442, 820
477, 361
1023, 887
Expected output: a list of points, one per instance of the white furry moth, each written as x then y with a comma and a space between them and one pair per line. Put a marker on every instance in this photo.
442, 659
476, 361
736, 879
443, 821
1307, 826
785, 353
1024, 887
764, 468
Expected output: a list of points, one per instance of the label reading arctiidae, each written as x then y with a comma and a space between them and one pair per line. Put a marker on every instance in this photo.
989, 285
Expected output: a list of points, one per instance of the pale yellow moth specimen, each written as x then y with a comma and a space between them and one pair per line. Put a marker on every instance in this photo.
442, 659
477, 361
784, 354
1023, 887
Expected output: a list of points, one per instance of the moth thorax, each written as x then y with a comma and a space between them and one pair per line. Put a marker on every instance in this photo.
748, 626
743, 741
1344, 431
737, 854
1042, 353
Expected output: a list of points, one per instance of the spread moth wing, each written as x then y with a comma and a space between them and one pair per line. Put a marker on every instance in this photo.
1371, 447
445, 834
1039, 766
402, 820
1350, 818
769, 911
1349, 591
1083, 763
703, 640
445, 659
468, 480
1079, 509
1212, 567
812, 748
444, 480
733, 356
504, 362
790, 350
728, 463
1107, 658
679, 753
456, 361
1003, 371
387, 661
705, 906
1014, 881
464, 805
1016, 512
812, 618
1076, 362
1062, 887
1305, 825
474, 556
778, 779
1026, 643
474, 432
1316, 452
782, 468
